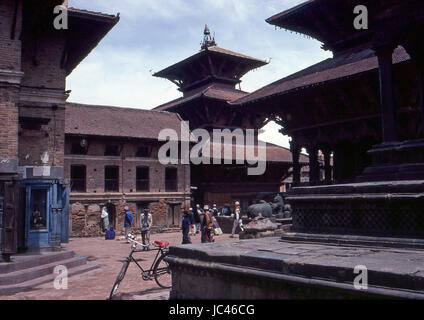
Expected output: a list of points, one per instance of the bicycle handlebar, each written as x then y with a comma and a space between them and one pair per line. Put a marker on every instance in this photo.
143, 245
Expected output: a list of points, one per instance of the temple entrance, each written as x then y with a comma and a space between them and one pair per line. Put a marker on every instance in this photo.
111, 210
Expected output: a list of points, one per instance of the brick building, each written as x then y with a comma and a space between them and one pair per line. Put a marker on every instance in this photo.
111, 159
35, 60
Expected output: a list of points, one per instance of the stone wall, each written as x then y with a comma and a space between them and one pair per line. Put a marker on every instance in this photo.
86, 221
204, 281
158, 210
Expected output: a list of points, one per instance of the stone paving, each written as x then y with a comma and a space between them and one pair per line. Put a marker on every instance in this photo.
109, 255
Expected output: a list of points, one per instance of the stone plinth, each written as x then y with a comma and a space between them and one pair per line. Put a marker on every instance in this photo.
389, 209
226, 223
272, 269
395, 161
260, 228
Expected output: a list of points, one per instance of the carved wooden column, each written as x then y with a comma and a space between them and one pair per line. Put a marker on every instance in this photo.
313, 164
337, 158
415, 48
295, 149
387, 102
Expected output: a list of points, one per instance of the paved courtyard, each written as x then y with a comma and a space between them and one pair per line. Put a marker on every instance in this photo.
109, 255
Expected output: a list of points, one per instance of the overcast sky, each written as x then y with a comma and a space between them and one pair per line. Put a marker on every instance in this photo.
153, 34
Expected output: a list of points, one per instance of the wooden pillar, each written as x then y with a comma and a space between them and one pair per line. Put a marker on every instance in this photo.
387, 102
413, 45
337, 158
313, 164
359, 150
327, 164
295, 149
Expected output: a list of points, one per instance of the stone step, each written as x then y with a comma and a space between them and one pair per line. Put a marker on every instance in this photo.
32, 284
30, 260
16, 277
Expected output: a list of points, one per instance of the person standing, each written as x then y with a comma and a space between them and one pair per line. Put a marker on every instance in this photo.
192, 225
197, 213
216, 227
206, 225
105, 219
186, 228
146, 223
237, 219
215, 211
226, 211
128, 222
202, 215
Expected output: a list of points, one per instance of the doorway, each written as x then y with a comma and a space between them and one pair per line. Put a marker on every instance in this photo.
38, 217
173, 214
111, 210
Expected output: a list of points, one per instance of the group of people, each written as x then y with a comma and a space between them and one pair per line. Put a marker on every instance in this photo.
195, 221
204, 221
146, 222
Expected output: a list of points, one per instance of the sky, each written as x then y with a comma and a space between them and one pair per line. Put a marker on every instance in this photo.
154, 34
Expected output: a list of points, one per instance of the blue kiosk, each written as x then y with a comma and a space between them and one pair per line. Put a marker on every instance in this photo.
46, 213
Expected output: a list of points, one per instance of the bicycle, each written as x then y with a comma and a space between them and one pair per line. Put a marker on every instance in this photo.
159, 270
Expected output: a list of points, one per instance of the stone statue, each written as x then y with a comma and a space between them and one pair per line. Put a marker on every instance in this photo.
278, 205
263, 208
277, 208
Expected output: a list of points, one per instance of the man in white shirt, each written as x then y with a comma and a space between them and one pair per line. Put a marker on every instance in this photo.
237, 219
146, 223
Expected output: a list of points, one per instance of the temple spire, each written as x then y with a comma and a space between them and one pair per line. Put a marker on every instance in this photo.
208, 40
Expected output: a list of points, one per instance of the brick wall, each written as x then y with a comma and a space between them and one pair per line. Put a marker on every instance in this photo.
10, 49
9, 123
10, 53
51, 139
95, 163
41, 61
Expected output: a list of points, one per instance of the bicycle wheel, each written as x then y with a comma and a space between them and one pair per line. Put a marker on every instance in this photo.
119, 278
162, 272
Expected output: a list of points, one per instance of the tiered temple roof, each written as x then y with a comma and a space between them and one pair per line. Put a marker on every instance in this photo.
211, 66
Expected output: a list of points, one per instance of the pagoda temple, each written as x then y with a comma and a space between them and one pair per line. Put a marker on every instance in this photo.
208, 81
364, 106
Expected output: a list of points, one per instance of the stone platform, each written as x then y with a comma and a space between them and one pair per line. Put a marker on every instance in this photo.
386, 209
271, 268
29, 270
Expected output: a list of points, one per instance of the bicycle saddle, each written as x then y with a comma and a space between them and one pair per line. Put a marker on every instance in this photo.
162, 243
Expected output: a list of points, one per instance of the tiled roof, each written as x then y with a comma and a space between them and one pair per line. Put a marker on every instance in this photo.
274, 153
289, 11
343, 66
107, 121
92, 13
173, 70
87, 29
233, 53
212, 92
